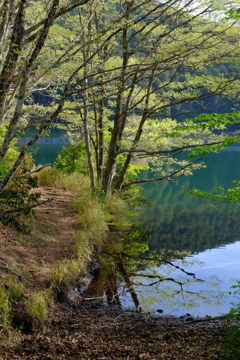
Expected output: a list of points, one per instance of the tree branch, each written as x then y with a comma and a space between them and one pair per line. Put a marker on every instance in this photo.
60, 12
24, 208
163, 177
181, 148
31, 172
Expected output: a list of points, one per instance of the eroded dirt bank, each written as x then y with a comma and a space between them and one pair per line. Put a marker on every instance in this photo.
91, 331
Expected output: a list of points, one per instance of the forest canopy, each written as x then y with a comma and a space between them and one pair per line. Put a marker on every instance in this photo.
129, 77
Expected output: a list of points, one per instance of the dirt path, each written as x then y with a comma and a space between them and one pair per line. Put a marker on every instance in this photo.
33, 254
91, 331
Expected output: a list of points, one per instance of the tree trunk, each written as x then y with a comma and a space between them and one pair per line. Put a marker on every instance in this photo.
86, 53
119, 120
138, 134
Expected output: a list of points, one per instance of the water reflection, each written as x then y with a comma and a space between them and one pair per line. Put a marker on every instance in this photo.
177, 221
197, 284
200, 298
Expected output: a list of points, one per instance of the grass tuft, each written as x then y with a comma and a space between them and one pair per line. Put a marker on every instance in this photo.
15, 289
4, 308
65, 273
37, 308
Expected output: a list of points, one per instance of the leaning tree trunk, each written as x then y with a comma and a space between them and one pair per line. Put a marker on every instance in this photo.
86, 53
145, 115
120, 116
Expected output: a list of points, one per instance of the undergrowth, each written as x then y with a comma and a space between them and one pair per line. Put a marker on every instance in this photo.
35, 308
17, 198
4, 309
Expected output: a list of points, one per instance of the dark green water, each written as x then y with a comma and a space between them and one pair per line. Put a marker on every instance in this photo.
177, 220
209, 232
45, 153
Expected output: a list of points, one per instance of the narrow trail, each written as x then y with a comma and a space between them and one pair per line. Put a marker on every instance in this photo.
33, 254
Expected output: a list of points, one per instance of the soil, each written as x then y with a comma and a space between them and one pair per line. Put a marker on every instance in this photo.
32, 255
91, 331
88, 329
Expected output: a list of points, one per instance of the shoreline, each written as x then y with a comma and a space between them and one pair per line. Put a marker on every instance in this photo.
61, 140
91, 331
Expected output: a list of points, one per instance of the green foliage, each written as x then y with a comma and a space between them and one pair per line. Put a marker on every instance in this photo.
231, 347
17, 195
134, 197
72, 158
233, 14
204, 150
99, 194
133, 170
6, 163
231, 195
204, 121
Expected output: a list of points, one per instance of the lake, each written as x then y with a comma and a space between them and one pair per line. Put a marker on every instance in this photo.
46, 153
210, 232
178, 221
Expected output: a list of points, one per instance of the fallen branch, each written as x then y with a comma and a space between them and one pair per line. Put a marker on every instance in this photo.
24, 208
79, 299
5, 266
32, 172
207, 319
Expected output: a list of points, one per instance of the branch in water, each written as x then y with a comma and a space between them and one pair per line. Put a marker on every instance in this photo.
165, 262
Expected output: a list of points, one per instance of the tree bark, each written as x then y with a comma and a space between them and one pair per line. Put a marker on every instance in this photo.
119, 119
85, 94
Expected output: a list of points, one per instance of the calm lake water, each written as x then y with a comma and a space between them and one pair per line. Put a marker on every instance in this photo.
45, 153
178, 221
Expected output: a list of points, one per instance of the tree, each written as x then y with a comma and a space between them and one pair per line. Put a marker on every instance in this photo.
234, 14
31, 60
124, 67
153, 58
